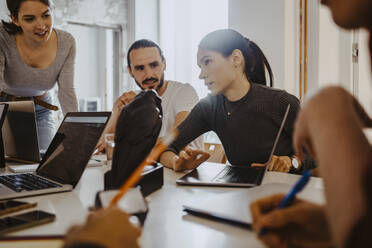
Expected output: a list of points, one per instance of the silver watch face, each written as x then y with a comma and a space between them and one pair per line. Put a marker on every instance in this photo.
295, 163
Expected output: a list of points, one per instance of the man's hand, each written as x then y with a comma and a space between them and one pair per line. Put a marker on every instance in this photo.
277, 163
101, 145
303, 224
107, 227
123, 100
189, 159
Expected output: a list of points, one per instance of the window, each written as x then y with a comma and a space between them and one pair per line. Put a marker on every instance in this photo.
183, 23
98, 66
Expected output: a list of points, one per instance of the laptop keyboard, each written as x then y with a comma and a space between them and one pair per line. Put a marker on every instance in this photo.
26, 182
240, 175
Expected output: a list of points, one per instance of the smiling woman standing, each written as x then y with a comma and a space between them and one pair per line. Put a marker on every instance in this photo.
34, 56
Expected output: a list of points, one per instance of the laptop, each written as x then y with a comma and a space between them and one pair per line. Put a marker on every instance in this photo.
3, 110
64, 161
212, 174
20, 133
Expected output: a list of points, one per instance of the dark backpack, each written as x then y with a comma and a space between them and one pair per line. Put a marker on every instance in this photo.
137, 130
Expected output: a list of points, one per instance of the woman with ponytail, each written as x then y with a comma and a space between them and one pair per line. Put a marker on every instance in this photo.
242, 109
34, 56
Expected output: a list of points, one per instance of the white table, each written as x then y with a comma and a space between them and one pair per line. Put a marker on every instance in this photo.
166, 224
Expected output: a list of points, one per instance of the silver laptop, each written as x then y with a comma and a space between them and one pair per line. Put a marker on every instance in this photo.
64, 161
20, 132
212, 174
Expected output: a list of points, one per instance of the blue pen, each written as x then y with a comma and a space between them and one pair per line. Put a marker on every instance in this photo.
291, 195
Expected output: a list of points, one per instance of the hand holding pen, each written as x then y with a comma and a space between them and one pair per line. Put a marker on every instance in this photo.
299, 223
291, 195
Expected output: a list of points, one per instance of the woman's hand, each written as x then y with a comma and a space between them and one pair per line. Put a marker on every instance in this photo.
189, 159
303, 224
107, 227
277, 163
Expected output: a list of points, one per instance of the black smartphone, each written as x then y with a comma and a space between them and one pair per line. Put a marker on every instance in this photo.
11, 206
26, 220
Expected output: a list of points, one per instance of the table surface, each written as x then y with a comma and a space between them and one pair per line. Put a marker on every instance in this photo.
166, 224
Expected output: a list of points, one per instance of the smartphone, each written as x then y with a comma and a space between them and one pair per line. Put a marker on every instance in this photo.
11, 206
26, 220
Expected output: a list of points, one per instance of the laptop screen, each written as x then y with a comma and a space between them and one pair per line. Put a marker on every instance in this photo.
20, 132
3, 108
72, 147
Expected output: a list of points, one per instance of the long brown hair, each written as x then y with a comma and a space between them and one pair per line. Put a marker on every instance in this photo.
13, 7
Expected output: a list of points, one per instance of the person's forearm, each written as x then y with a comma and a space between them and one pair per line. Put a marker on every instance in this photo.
83, 245
111, 124
343, 154
167, 159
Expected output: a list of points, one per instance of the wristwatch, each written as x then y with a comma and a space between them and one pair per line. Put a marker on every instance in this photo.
295, 163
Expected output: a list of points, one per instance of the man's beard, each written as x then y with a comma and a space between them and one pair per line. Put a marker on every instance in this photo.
157, 88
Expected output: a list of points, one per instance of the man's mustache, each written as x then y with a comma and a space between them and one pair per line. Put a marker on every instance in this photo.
149, 80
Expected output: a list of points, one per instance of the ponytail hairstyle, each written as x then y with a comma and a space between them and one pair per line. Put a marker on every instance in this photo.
13, 7
225, 41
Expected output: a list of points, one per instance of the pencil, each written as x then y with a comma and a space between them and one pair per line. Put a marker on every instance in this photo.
150, 159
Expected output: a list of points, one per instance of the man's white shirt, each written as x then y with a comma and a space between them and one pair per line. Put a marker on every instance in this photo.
178, 97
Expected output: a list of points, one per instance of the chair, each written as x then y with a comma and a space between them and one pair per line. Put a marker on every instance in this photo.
216, 151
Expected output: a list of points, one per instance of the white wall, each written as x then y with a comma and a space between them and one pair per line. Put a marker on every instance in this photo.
291, 47
335, 44
3, 10
330, 60
87, 79
143, 23
144, 20
183, 24
263, 22
364, 73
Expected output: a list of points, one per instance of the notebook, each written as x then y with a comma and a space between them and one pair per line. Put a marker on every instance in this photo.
229, 175
64, 161
233, 207
20, 133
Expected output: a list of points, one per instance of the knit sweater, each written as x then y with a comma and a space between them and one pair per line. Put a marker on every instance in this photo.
247, 128
20, 79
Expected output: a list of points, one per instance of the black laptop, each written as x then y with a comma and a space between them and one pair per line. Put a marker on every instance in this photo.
3, 110
64, 161
213, 174
20, 133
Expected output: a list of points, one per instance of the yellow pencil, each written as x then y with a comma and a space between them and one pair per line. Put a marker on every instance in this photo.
150, 159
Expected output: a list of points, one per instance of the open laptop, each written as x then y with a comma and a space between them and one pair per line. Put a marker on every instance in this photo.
64, 161
211, 174
3, 110
20, 133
